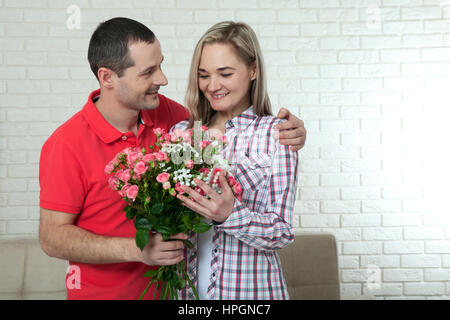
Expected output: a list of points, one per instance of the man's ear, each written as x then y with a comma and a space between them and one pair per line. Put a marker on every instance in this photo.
105, 77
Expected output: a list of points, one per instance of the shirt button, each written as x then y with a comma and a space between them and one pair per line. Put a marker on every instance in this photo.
124, 138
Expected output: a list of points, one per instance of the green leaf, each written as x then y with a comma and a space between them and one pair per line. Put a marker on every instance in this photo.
153, 220
142, 237
181, 284
157, 208
188, 244
143, 223
130, 212
165, 230
187, 220
151, 273
201, 227
169, 208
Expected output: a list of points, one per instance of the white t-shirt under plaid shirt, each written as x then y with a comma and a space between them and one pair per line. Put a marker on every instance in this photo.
244, 262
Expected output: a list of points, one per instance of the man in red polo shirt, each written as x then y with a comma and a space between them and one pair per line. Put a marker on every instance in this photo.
82, 219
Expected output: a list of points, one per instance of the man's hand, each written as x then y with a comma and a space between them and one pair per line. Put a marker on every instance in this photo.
294, 133
61, 238
158, 252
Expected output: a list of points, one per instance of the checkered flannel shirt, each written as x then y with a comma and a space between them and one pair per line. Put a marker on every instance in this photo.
244, 261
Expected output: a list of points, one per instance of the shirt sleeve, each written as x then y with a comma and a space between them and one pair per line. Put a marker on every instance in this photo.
62, 183
271, 229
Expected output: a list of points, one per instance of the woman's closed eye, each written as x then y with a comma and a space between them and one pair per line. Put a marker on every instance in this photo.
204, 76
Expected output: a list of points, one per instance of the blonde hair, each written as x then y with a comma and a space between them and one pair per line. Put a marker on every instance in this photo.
242, 37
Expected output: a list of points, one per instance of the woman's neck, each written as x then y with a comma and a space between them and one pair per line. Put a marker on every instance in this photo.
219, 119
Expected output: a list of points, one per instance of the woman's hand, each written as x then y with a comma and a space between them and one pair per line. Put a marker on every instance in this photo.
217, 208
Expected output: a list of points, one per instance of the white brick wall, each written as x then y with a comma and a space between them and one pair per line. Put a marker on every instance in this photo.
369, 78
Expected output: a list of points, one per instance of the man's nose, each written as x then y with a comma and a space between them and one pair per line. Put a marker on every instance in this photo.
161, 79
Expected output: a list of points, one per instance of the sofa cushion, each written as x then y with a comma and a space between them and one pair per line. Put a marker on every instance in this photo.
310, 266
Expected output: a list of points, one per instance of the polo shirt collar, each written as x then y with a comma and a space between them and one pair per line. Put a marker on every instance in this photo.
243, 120
103, 128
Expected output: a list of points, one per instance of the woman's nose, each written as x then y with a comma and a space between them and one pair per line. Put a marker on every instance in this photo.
214, 84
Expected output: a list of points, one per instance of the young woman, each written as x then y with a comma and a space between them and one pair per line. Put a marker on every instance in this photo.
237, 258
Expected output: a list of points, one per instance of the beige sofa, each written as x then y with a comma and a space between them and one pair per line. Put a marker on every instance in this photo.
310, 266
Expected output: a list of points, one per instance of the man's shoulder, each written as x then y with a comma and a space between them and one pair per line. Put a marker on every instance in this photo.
68, 132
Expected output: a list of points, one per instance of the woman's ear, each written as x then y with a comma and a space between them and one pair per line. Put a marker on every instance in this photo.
253, 71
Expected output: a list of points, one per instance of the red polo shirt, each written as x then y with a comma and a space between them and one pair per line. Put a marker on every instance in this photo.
73, 180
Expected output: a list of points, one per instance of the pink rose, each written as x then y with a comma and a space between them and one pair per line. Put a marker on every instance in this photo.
124, 189
134, 156
159, 131
132, 192
178, 187
163, 177
140, 168
149, 157
166, 185
231, 181
237, 188
127, 151
215, 175
175, 135
167, 136
186, 136
165, 143
110, 167
126, 175
161, 156
204, 143
113, 182
204, 128
205, 171
189, 164
119, 174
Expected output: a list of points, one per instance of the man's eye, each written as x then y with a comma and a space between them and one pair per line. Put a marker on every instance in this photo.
226, 75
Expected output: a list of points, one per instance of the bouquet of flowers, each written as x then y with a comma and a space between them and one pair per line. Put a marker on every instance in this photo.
149, 180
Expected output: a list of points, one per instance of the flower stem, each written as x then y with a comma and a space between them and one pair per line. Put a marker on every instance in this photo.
146, 289
156, 289
191, 284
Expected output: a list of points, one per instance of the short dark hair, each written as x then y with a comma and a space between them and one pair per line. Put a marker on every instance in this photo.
109, 43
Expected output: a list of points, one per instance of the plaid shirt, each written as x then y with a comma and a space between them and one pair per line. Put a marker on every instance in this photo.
244, 261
